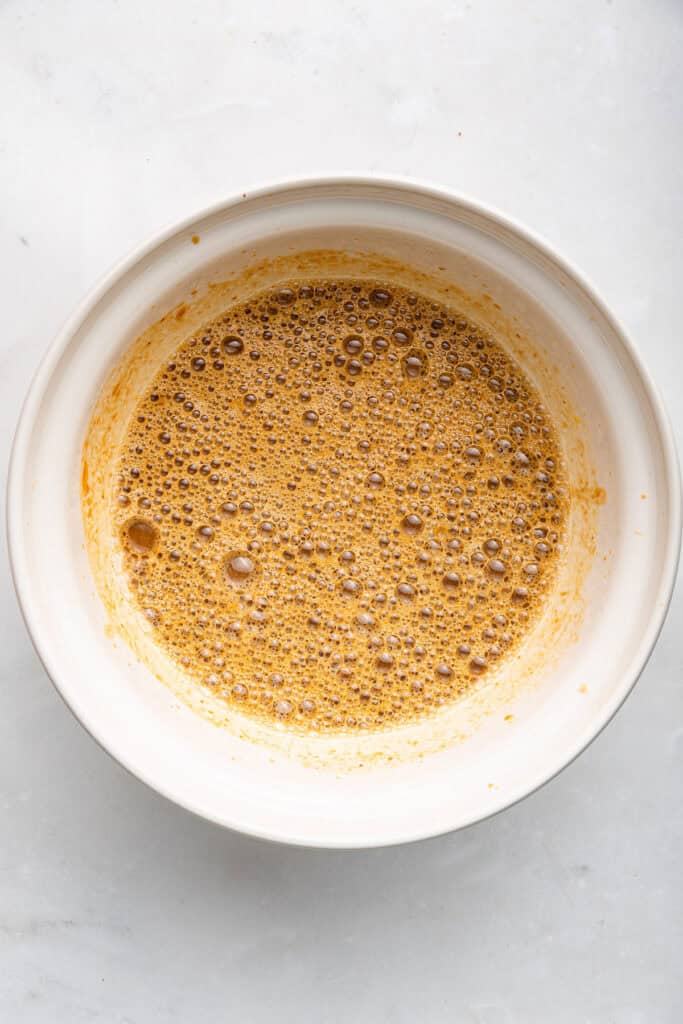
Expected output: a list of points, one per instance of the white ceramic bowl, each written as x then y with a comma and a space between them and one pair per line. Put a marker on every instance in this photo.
255, 790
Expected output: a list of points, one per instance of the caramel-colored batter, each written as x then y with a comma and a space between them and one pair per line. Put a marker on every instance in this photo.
340, 504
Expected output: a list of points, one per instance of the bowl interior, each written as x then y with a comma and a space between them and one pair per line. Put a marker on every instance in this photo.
269, 792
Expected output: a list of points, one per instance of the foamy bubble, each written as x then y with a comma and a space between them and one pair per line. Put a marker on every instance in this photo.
239, 566
141, 536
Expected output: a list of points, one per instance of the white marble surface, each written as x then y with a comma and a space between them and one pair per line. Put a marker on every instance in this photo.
118, 117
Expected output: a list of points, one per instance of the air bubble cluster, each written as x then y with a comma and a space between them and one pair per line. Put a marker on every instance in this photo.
340, 505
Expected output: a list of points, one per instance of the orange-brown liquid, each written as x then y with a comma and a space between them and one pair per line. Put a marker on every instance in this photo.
340, 505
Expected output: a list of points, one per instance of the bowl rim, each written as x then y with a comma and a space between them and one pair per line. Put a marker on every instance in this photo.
279, 188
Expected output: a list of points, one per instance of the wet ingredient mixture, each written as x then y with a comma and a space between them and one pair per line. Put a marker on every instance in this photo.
340, 505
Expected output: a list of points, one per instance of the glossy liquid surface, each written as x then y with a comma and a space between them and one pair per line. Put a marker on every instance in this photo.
340, 505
